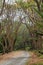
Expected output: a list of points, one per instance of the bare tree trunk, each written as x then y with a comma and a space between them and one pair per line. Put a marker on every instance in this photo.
38, 4
3, 48
2, 7
5, 42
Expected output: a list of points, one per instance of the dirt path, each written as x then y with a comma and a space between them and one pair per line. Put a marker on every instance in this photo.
15, 58
35, 59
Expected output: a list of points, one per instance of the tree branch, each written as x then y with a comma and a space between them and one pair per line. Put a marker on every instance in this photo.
2, 7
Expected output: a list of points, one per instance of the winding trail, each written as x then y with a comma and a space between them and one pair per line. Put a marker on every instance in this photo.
19, 60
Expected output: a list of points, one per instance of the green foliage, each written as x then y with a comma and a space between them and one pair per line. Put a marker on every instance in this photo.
28, 48
41, 51
22, 33
40, 13
26, 5
1, 49
39, 63
0, 3
22, 37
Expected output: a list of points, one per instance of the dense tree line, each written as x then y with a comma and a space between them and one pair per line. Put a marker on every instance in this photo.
12, 17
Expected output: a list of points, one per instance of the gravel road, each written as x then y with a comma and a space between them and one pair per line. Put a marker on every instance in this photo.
20, 60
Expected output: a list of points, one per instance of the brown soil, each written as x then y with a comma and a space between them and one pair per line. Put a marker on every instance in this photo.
10, 55
34, 59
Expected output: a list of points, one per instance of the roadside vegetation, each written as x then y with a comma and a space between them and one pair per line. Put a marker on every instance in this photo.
36, 58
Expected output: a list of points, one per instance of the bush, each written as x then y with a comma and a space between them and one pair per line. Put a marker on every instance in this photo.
41, 51
27, 48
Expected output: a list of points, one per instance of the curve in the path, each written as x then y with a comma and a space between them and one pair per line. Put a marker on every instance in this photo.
17, 60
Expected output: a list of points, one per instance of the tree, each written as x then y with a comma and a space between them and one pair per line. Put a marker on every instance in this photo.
34, 18
2, 7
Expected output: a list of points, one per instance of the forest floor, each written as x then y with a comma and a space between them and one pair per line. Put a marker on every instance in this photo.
36, 59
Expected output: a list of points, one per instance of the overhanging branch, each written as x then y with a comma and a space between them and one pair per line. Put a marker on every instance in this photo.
2, 7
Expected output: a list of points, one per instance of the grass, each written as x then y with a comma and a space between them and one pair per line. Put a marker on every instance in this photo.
41, 56
39, 63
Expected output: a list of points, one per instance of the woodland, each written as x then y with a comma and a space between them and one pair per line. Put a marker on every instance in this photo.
21, 25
